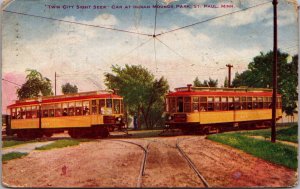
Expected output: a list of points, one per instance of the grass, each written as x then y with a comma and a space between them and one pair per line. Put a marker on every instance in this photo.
9, 143
62, 143
12, 155
144, 133
277, 153
285, 133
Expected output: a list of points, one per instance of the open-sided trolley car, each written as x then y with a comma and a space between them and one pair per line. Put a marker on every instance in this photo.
216, 109
88, 114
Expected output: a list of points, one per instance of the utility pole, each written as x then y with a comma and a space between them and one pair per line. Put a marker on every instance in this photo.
229, 74
55, 85
274, 95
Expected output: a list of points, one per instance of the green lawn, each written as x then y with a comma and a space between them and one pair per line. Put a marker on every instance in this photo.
62, 144
12, 155
284, 133
9, 143
278, 153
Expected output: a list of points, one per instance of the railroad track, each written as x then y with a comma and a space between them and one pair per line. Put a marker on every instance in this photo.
143, 163
185, 156
190, 162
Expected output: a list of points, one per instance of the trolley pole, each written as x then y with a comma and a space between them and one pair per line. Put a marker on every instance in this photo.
274, 96
229, 74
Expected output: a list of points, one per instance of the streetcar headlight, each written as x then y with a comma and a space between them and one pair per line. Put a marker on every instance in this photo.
119, 118
170, 118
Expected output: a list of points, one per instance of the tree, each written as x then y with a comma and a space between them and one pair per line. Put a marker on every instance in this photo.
197, 82
259, 74
226, 82
206, 83
143, 94
34, 85
69, 89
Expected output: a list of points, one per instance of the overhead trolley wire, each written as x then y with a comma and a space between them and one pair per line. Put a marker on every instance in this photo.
155, 54
129, 52
12, 82
78, 23
214, 18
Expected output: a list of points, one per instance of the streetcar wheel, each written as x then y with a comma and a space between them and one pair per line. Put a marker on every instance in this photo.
48, 134
104, 133
74, 134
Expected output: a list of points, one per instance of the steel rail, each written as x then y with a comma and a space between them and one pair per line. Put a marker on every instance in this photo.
190, 162
143, 163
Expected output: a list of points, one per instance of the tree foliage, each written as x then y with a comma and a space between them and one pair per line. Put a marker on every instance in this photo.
226, 82
259, 74
206, 83
143, 94
35, 84
69, 89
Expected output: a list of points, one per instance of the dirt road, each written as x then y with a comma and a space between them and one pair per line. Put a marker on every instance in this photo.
92, 164
224, 166
107, 163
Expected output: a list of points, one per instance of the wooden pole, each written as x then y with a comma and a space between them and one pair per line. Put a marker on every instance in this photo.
274, 95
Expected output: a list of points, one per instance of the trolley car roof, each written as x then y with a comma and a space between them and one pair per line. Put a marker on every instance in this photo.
218, 93
62, 98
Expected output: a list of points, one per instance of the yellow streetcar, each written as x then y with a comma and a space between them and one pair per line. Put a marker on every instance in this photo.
217, 109
88, 114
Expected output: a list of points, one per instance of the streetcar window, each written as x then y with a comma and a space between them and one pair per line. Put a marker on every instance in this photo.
224, 103
195, 104
51, 110
78, 108
65, 109
94, 107
203, 103
279, 103
217, 105
116, 109
237, 104
109, 103
244, 103
101, 106
28, 112
23, 113
71, 109
255, 104
230, 103
122, 107
58, 110
172, 104
13, 113
18, 113
180, 104
269, 102
187, 104
265, 102
34, 112
86, 107
260, 102
210, 104
249, 103
45, 112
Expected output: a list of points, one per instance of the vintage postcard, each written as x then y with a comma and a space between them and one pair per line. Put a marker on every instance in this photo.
149, 93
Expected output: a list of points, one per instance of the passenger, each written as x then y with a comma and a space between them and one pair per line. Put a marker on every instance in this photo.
85, 110
65, 113
19, 115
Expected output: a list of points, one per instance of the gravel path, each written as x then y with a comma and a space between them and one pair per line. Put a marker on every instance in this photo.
105, 163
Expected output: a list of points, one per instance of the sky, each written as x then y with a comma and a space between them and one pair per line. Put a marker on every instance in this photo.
82, 49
